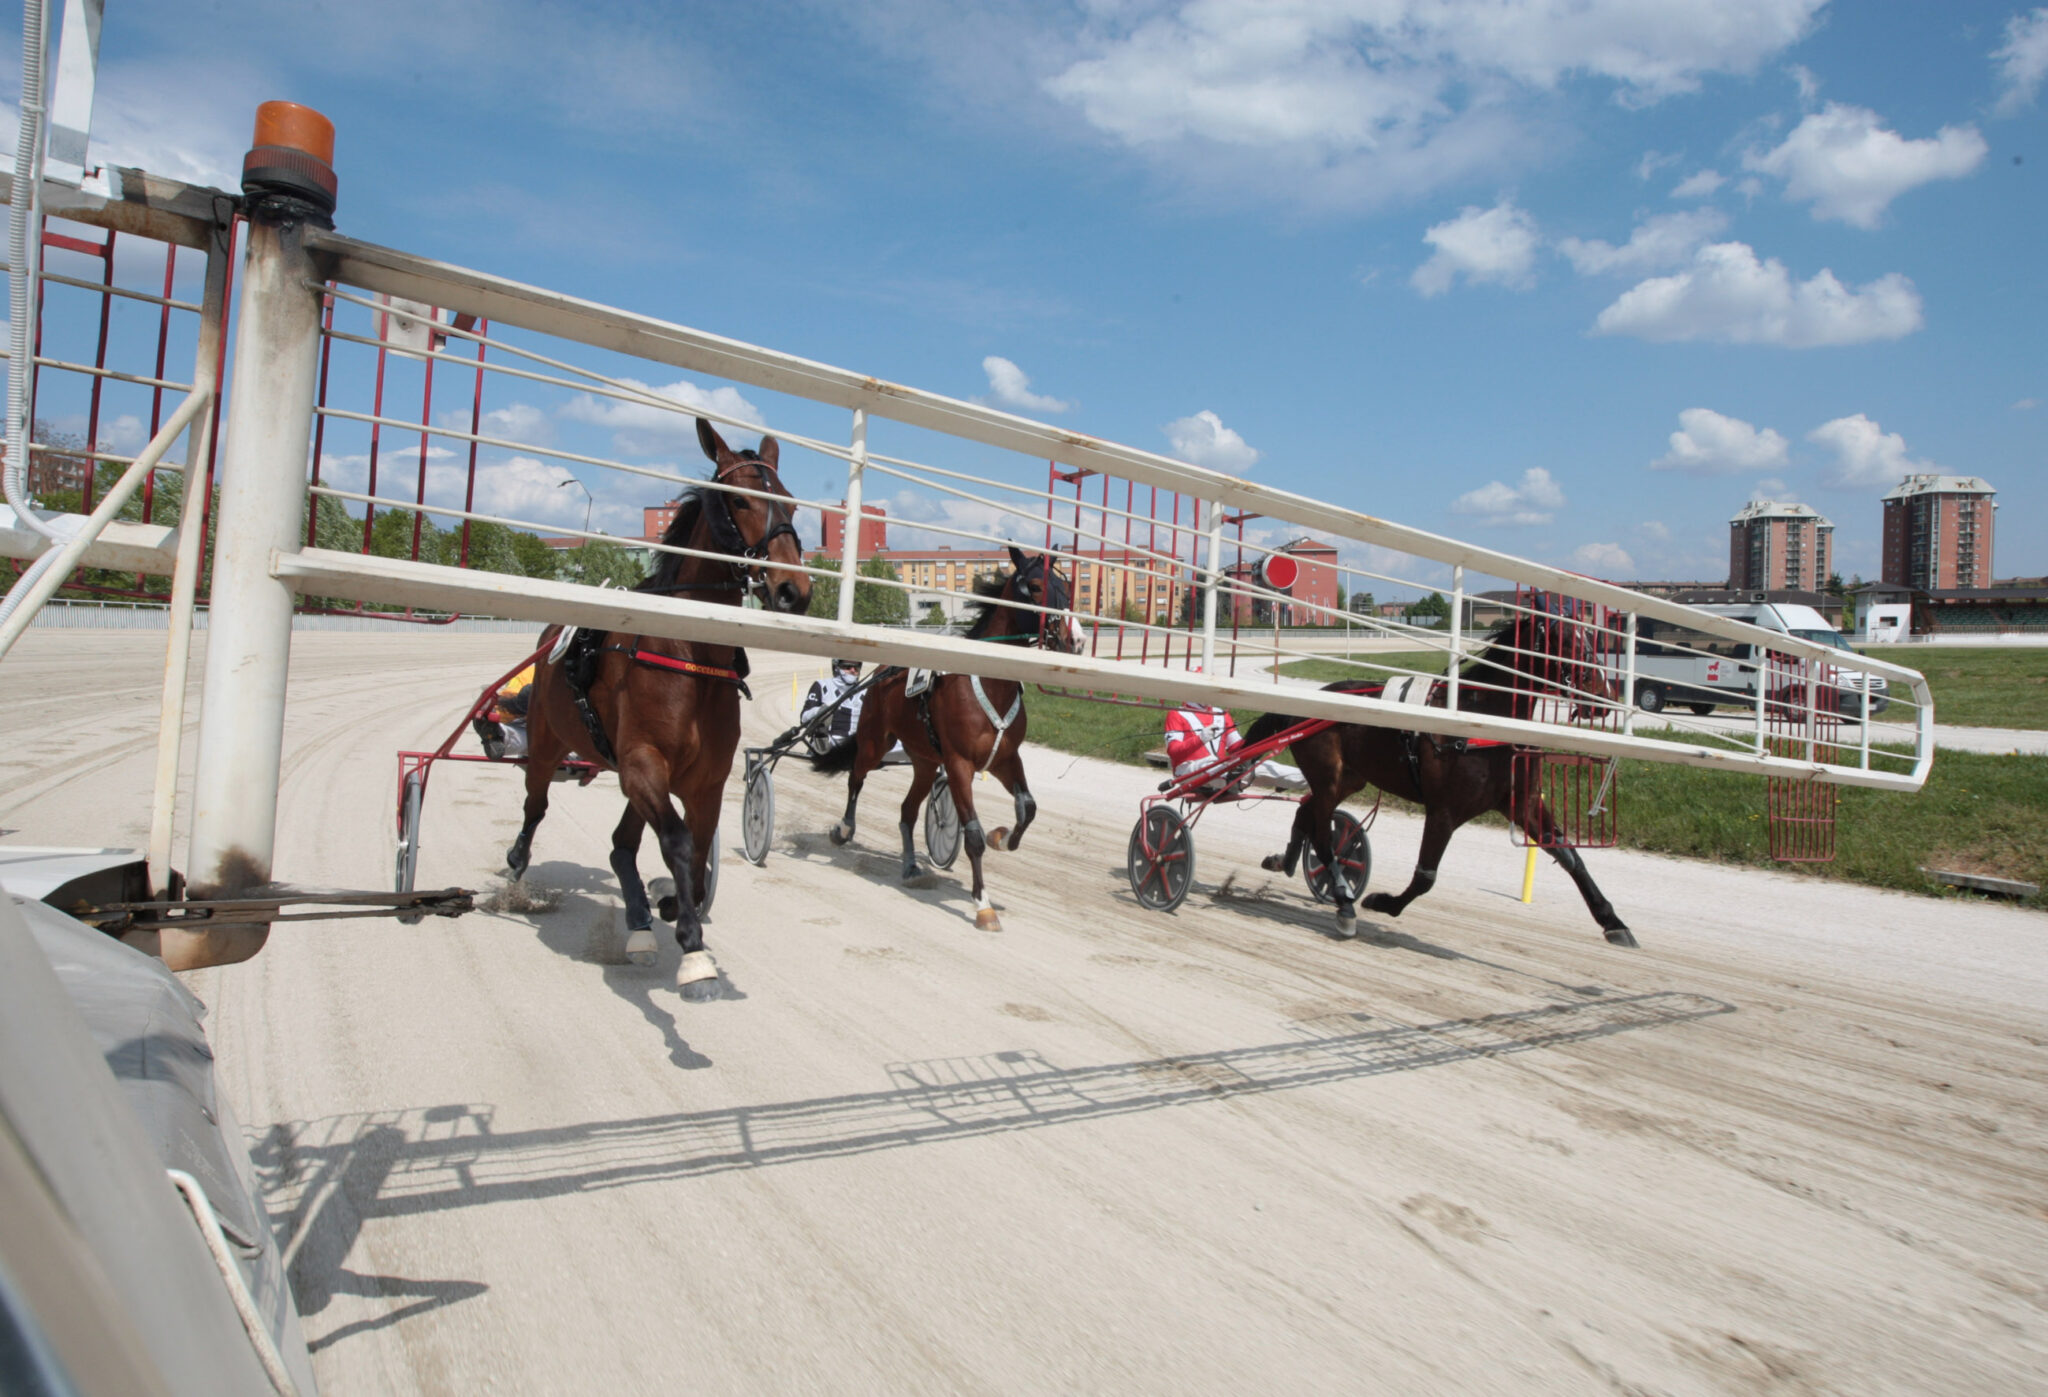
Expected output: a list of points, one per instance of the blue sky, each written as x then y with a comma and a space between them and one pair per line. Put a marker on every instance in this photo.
1571, 278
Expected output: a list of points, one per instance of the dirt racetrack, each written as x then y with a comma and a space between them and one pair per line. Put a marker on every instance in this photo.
1795, 1144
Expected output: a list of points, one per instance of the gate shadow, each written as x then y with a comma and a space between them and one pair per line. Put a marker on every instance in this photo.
449, 1157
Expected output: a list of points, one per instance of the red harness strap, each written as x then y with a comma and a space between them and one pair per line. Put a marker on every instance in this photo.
681, 666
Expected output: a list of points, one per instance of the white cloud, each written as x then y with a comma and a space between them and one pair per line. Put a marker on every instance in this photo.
1844, 162
1865, 454
124, 433
1497, 245
642, 429
2022, 61
1603, 560
1203, 440
1775, 490
1668, 240
1009, 386
1530, 503
1361, 101
1708, 443
1653, 161
2026, 405
1655, 530
1727, 296
1699, 185
524, 489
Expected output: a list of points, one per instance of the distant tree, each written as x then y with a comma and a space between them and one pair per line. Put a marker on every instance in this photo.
598, 561
934, 615
535, 559
1362, 604
1432, 606
824, 590
880, 605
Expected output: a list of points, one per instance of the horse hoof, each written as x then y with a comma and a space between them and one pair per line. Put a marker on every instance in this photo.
985, 919
999, 837
1621, 936
667, 908
697, 977
920, 877
640, 946
1347, 924
841, 833
1274, 863
1382, 903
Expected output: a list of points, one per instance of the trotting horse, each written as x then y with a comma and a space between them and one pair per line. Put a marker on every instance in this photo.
962, 722
1453, 778
665, 714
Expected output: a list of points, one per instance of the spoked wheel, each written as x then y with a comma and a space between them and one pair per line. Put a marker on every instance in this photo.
410, 797
1161, 859
818, 739
1354, 861
941, 826
757, 814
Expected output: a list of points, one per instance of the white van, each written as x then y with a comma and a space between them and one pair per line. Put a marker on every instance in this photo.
1711, 670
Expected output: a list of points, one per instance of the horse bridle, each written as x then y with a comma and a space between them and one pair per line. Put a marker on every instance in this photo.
1045, 616
748, 572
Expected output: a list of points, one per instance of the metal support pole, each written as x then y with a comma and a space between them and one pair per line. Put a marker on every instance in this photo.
1628, 683
170, 733
1457, 633
849, 543
248, 651
1212, 558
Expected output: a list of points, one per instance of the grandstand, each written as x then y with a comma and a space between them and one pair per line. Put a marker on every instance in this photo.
2014, 606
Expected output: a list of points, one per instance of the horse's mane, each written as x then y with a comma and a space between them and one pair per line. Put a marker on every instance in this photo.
689, 509
1497, 652
987, 593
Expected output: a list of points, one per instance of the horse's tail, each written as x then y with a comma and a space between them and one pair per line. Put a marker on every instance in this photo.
1267, 726
838, 760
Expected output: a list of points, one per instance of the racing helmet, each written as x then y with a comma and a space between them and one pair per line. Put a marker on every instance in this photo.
846, 667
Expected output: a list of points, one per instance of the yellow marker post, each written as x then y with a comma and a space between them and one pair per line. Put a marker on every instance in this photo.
1529, 876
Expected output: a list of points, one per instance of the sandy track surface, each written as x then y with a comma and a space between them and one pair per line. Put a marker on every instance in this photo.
1795, 1144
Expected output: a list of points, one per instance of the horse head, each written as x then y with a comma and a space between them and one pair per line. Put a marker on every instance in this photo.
1037, 581
757, 527
1561, 645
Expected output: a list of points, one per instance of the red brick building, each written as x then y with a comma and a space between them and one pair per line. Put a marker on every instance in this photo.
874, 531
1315, 586
1937, 532
1778, 547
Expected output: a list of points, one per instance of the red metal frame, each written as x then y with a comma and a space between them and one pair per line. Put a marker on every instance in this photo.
423, 762
1582, 793
1803, 721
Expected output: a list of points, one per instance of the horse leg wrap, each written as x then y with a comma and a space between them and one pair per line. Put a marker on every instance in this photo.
915, 874
985, 918
970, 830
696, 968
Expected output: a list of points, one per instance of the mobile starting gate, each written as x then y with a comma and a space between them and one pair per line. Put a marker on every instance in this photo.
408, 438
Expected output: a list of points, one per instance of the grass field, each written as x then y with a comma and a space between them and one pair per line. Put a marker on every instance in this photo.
2002, 688
1977, 814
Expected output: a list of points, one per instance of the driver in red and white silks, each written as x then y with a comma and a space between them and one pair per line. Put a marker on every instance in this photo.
1199, 737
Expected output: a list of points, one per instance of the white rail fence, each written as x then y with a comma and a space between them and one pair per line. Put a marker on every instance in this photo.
332, 397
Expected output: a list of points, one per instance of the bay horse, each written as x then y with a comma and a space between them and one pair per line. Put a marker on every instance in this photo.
665, 714
1453, 778
963, 723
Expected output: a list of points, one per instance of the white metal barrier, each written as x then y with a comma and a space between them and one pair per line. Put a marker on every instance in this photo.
333, 330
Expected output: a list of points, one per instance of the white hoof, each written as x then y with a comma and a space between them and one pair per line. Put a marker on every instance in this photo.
696, 968
640, 946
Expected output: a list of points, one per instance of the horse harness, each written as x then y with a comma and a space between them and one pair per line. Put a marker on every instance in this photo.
579, 670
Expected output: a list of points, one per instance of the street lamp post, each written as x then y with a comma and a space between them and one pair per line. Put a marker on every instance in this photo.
587, 502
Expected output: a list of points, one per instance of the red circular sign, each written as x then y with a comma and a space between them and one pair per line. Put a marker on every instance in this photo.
1280, 571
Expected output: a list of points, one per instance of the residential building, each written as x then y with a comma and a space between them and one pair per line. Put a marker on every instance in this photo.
874, 532
1937, 532
1774, 546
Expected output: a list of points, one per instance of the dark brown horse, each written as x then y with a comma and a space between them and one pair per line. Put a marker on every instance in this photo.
1454, 778
667, 712
962, 722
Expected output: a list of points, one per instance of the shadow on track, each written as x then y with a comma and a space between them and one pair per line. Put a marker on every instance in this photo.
450, 1158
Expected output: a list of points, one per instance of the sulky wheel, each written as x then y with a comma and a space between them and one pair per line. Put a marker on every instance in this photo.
941, 826
1161, 859
1354, 860
410, 796
757, 814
